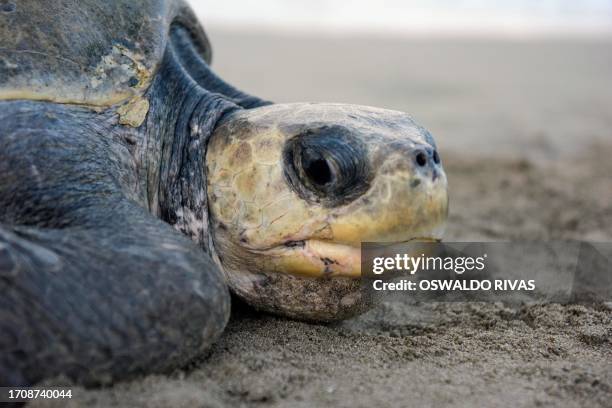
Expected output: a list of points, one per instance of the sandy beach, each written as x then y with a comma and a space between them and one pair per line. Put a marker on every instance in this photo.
524, 131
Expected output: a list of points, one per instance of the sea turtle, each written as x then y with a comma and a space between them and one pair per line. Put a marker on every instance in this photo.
136, 186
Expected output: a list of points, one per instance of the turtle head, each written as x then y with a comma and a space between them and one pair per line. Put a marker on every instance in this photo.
295, 188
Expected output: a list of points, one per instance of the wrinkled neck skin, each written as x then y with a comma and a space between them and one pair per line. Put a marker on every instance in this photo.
171, 150
186, 100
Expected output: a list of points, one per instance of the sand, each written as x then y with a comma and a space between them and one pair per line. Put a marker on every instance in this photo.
524, 131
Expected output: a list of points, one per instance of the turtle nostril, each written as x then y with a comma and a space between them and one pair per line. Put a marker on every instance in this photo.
318, 171
436, 157
421, 159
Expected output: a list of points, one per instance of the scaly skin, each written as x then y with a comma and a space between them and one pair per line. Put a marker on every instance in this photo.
299, 256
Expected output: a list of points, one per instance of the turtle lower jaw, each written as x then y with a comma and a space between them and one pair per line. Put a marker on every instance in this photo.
316, 258
323, 259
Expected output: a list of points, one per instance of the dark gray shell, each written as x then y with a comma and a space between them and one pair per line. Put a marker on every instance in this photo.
86, 51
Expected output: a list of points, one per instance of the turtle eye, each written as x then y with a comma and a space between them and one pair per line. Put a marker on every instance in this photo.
327, 165
316, 167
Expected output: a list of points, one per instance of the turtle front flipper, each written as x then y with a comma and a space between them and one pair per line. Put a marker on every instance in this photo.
93, 286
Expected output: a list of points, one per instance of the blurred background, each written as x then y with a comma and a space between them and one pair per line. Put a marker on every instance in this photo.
401, 17
520, 77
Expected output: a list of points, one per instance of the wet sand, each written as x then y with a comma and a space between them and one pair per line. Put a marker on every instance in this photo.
525, 134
